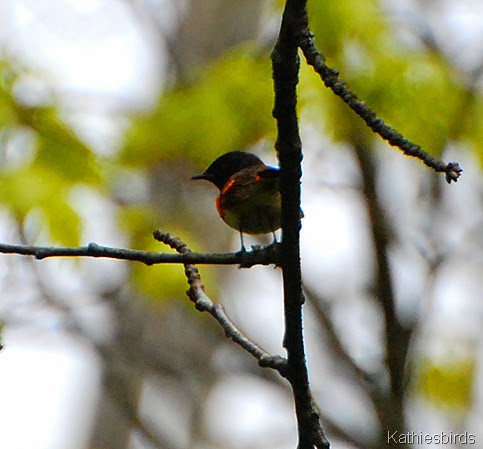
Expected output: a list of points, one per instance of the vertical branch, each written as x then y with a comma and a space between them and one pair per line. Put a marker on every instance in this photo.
396, 336
285, 64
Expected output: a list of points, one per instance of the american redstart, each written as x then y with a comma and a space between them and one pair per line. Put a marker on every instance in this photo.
249, 199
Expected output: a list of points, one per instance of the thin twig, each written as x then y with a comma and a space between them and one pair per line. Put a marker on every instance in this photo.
203, 303
331, 79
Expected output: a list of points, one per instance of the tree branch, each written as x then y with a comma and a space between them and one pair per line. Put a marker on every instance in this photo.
331, 79
261, 256
203, 303
396, 336
285, 63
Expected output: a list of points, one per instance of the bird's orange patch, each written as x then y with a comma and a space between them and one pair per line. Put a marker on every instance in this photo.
228, 186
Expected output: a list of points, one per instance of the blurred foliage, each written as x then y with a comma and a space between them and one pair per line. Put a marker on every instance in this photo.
42, 159
227, 108
337, 24
448, 383
158, 282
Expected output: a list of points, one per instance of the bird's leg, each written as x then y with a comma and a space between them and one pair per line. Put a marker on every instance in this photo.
242, 250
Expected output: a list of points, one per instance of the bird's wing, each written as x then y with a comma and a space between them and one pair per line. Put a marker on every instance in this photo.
249, 182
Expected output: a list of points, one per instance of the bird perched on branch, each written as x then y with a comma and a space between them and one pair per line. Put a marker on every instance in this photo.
249, 199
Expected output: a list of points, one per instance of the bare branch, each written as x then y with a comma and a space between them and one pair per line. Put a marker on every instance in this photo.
203, 303
285, 63
260, 256
331, 79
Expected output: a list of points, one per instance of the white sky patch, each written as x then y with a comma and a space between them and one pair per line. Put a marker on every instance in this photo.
334, 241
245, 412
48, 387
86, 6
96, 47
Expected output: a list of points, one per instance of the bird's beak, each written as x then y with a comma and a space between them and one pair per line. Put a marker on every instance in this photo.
202, 176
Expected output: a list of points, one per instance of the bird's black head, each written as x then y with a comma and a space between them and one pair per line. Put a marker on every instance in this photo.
223, 168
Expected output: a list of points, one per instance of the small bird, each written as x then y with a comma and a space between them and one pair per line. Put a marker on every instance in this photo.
249, 199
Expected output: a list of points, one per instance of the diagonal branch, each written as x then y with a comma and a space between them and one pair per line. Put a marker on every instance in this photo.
331, 79
203, 303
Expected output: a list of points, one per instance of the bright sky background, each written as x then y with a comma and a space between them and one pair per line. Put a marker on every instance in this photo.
49, 386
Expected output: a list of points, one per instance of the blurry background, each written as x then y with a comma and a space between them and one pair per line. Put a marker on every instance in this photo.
108, 107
